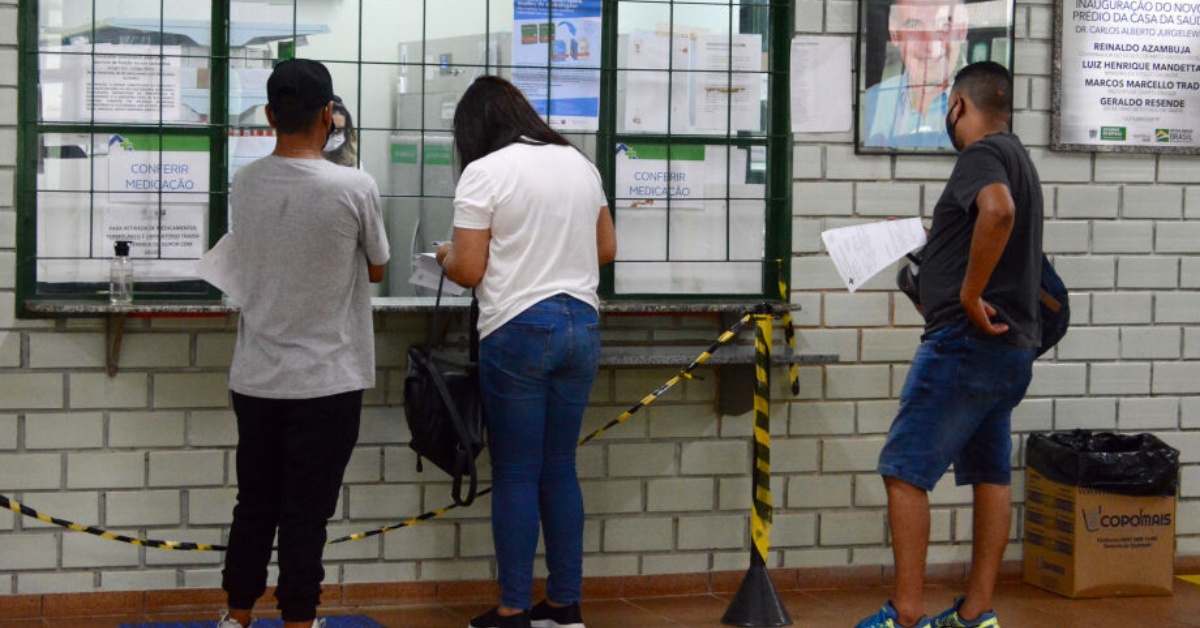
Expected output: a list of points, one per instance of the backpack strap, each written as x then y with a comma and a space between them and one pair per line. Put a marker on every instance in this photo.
1048, 300
464, 462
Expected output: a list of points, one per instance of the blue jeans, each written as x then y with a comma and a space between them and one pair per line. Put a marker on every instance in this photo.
956, 406
537, 372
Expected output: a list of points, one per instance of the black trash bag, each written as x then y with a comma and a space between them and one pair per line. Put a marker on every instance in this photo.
1128, 464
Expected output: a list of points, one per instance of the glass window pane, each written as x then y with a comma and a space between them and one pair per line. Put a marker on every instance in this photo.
188, 23
265, 30
688, 278
708, 19
634, 17
386, 87
247, 144
64, 220
676, 207
464, 22
123, 21
391, 31
64, 163
346, 84
419, 183
747, 229
338, 40
248, 90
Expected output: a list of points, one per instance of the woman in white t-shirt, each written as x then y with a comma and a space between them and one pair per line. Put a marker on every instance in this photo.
531, 230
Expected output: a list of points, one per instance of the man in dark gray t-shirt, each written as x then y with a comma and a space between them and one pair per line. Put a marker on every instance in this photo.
307, 237
979, 286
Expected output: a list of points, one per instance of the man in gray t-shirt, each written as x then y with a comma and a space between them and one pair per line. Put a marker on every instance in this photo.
307, 237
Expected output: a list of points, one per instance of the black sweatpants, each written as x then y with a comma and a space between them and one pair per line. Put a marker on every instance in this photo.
291, 456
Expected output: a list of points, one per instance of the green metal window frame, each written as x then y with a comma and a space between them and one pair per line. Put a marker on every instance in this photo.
776, 263
30, 128
776, 140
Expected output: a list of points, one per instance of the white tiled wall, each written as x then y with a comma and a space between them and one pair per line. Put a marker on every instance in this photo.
149, 452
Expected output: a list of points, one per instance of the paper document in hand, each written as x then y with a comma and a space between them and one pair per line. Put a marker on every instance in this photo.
219, 267
861, 251
427, 273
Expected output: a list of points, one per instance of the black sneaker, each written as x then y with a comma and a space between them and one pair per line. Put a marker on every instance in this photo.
545, 616
493, 619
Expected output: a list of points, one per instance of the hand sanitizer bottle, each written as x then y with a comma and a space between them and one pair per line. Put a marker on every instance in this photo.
120, 276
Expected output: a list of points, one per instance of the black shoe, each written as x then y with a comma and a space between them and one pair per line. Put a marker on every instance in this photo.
545, 616
493, 619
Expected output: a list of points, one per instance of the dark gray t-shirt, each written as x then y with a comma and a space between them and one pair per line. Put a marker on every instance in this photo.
304, 231
1015, 283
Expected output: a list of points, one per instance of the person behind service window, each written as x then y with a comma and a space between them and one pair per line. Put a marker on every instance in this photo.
906, 110
308, 236
531, 230
342, 146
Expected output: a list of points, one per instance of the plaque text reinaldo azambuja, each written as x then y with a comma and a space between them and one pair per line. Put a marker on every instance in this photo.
1130, 73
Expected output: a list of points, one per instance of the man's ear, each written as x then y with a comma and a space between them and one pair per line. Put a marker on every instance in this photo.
270, 116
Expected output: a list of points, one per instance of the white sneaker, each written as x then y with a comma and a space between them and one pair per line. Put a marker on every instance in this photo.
227, 622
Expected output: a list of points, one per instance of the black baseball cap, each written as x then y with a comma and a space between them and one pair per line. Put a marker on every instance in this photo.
298, 85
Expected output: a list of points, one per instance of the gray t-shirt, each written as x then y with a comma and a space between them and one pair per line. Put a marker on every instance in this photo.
304, 231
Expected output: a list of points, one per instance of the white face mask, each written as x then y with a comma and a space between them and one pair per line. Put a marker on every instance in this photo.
335, 141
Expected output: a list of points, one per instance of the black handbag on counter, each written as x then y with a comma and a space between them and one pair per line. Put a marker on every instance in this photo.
444, 409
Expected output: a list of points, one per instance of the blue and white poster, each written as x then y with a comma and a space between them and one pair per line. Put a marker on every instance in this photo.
556, 51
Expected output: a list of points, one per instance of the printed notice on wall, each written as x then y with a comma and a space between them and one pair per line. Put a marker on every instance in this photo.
120, 82
157, 196
1130, 75
556, 48
649, 178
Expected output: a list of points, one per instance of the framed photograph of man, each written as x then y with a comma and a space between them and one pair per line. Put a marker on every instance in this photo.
908, 53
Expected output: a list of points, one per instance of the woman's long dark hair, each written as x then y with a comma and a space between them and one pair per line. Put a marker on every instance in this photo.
492, 114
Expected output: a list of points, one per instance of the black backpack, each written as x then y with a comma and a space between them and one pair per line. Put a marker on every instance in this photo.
444, 410
1054, 305
1054, 302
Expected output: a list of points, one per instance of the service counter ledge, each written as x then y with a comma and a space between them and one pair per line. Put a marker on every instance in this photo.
733, 362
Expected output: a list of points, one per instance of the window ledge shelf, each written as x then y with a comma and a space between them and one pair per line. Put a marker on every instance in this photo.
59, 308
635, 356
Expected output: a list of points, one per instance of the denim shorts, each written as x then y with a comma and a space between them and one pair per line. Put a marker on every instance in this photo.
956, 407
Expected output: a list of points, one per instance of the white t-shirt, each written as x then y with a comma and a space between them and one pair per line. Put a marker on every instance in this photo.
303, 232
541, 203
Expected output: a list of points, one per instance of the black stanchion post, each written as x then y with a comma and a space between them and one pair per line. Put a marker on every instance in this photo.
757, 601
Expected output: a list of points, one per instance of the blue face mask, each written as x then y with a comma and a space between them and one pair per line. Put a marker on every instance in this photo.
952, 126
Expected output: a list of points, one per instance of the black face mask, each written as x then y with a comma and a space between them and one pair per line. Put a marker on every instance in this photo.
951, 127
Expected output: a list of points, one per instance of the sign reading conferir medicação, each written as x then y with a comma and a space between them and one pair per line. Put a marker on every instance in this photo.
1127, 76
158, 195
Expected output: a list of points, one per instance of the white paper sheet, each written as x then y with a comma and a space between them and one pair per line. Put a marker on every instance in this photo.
646, 92
861, 251
717, 92
821, 84
427, 273
219, 268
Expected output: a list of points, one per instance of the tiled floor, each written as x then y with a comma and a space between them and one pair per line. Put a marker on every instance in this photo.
1020, 606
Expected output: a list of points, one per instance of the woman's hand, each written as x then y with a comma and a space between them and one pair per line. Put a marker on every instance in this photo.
443, 252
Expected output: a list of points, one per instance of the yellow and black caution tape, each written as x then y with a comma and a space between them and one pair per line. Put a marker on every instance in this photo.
789, 329
685, 373
762, 513
22, 509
